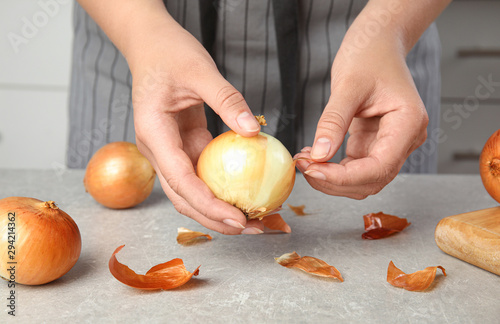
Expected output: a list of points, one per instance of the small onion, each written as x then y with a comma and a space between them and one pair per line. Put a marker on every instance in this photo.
255, 174
119, 176
39, 242
489, 165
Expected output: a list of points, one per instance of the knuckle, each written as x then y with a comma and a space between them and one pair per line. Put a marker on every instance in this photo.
333, 121
140, 145
227, 98
375, 190
180, 207
360, 196
173, 183
226, 231
422, 137
343, 181
424, 117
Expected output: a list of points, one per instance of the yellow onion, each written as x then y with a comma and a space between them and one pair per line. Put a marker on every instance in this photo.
39, 242
119, 176
489, 165
255, 174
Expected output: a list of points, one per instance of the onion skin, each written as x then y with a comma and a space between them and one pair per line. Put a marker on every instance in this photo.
47, 240
255, 174
489, 166
118, 176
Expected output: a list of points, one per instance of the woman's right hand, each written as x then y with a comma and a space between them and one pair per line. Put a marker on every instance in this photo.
173, 75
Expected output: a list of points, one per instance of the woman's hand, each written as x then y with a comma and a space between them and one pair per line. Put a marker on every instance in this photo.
172, 79
373, 96
173, 75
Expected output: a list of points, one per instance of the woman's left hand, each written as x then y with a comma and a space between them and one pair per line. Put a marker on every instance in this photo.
373, 96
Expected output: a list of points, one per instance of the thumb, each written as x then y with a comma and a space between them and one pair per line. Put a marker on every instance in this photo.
229, 104
332, 127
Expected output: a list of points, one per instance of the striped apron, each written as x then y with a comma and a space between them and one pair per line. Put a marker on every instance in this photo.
277, 53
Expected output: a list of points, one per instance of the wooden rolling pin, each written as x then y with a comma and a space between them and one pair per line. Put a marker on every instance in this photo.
472, 237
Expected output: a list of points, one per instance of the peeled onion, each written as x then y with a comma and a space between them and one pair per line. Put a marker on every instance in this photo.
39, 243
119, 176
489, 165
255, 174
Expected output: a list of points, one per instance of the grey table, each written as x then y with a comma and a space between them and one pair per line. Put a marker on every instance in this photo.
239, 281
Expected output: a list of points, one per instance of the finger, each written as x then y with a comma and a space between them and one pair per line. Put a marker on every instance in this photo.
333, 125
251, 227
362, 137
228, 103
355, 192
302, 161
385, 159
178, 171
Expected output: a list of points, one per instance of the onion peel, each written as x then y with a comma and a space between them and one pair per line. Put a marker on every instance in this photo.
298, 210
187, 237
380, 225
417, 281
276, 222
168, 275
261, 119
310, 265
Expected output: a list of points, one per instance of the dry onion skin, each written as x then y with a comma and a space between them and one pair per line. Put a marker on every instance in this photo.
118, 176
311, 265
187, 237
417, 281
298, 210
168, 275
276, 222
255, 174
380, 225
489, 166
38, 239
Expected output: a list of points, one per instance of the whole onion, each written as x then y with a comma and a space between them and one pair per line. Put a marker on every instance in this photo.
39, 242
119, 176
255, 174
489, 165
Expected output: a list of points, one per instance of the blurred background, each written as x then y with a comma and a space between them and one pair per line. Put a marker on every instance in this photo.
35, 71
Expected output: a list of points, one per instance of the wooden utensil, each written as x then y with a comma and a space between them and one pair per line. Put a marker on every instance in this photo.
473, 237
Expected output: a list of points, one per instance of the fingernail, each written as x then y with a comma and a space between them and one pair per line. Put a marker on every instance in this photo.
315, 174
248, 122
252, 230
321, 148
303, 164
306, 149
233, 223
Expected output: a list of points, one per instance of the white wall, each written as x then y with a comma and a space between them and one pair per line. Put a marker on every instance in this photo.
35, 56
470, 109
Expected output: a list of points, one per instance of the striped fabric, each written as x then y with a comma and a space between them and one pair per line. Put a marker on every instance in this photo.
251, 42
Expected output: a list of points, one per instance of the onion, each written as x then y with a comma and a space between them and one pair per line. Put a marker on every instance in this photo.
39, 241
119, 176
489, 165
255, 174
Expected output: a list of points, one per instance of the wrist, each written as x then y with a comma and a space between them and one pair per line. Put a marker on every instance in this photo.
396, 23
142, 38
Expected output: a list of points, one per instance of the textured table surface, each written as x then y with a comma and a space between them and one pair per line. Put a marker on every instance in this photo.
239, 280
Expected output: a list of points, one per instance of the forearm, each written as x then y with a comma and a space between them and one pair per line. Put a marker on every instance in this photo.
131, 25
397, 22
